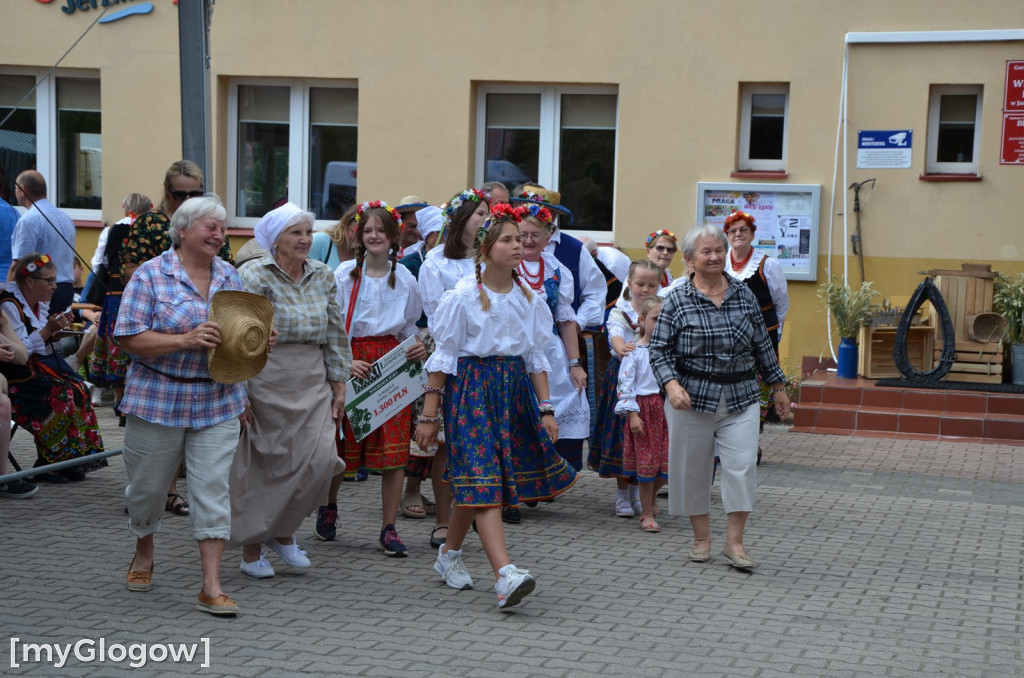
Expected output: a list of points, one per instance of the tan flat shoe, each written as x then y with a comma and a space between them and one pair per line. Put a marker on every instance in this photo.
738, 561
699, 556
219, 605
139, 581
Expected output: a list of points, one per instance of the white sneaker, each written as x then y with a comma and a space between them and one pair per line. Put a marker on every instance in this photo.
513, 585
449, 566
260, 569
290, 553
623, 509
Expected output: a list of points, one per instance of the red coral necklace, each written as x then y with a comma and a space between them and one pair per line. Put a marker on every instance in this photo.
739, 266
536, 282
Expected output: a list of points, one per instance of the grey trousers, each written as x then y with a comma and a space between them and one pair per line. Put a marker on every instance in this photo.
693, 439
152, 455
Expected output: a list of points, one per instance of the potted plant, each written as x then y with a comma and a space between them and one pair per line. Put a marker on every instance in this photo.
1008, 299
850, 309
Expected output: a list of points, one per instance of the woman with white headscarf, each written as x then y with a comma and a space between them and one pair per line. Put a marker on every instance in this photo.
286, 455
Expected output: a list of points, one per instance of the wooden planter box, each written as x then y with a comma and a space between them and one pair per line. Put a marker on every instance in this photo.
874, 359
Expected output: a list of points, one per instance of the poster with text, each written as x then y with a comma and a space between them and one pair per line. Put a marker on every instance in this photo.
786, 218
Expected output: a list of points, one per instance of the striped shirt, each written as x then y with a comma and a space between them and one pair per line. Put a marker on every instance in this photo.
305, 312
161, 297
703, 339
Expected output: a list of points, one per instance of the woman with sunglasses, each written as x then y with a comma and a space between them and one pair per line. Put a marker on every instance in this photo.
661, 250
148, 237
765, 278
47, 397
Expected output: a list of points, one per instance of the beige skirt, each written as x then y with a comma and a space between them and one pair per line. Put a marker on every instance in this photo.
285, 459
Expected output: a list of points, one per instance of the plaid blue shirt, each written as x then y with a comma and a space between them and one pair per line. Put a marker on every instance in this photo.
161, 297
706, 339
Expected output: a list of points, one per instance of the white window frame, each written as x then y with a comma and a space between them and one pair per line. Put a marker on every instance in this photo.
46, 132
298, 142
932, 165
744, 161
549, 139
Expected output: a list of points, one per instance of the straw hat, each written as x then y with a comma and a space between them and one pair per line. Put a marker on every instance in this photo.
411, 203
532, 194
245, 321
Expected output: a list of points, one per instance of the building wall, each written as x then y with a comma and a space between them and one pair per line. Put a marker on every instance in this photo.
678, 66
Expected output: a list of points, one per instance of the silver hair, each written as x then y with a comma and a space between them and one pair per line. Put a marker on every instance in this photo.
195, 208
589, 244
695, 234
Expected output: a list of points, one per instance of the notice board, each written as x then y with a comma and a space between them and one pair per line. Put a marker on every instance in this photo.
786, 218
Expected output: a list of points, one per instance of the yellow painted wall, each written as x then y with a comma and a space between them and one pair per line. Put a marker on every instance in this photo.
677, 64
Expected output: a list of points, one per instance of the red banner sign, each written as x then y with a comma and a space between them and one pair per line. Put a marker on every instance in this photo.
1014, 100
1012, 149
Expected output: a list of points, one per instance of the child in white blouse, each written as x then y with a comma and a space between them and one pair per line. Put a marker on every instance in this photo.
605, 455
491, 333
645, 439
380, 303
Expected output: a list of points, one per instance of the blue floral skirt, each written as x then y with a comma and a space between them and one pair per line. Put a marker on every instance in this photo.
498, 452
605, 454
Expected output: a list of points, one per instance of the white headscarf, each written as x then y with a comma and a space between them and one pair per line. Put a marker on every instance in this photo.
430, 220
275, 221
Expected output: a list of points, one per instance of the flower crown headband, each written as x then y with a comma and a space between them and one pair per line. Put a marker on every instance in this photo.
449, 208
536, 211
375, 204
33, 266
499, 213
662, 233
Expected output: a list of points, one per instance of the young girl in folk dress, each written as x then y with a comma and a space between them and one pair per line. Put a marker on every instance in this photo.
645, 444
491, 335
442, 268
606, 439
380, 302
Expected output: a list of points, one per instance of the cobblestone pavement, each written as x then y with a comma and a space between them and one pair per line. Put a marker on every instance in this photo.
876, 557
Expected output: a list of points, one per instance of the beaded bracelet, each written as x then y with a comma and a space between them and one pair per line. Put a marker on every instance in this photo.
433, 389
424, 419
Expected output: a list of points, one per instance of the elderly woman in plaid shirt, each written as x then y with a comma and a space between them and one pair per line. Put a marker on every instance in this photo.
175, 411
286, 456
709, 337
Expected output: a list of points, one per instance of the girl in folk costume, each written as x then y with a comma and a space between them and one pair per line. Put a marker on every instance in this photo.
645, 445
489, 365
380, 303
446, 265
567, 379
443, 267
606, 439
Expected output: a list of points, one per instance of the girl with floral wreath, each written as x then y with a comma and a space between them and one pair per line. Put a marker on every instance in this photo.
491, 335
442, 268
380, 303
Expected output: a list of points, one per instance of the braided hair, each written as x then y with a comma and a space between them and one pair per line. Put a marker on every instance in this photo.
486, 235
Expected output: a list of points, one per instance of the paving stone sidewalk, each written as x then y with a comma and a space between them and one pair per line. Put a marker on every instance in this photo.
877, 558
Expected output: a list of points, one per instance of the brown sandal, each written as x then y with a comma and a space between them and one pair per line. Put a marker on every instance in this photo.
176, 505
